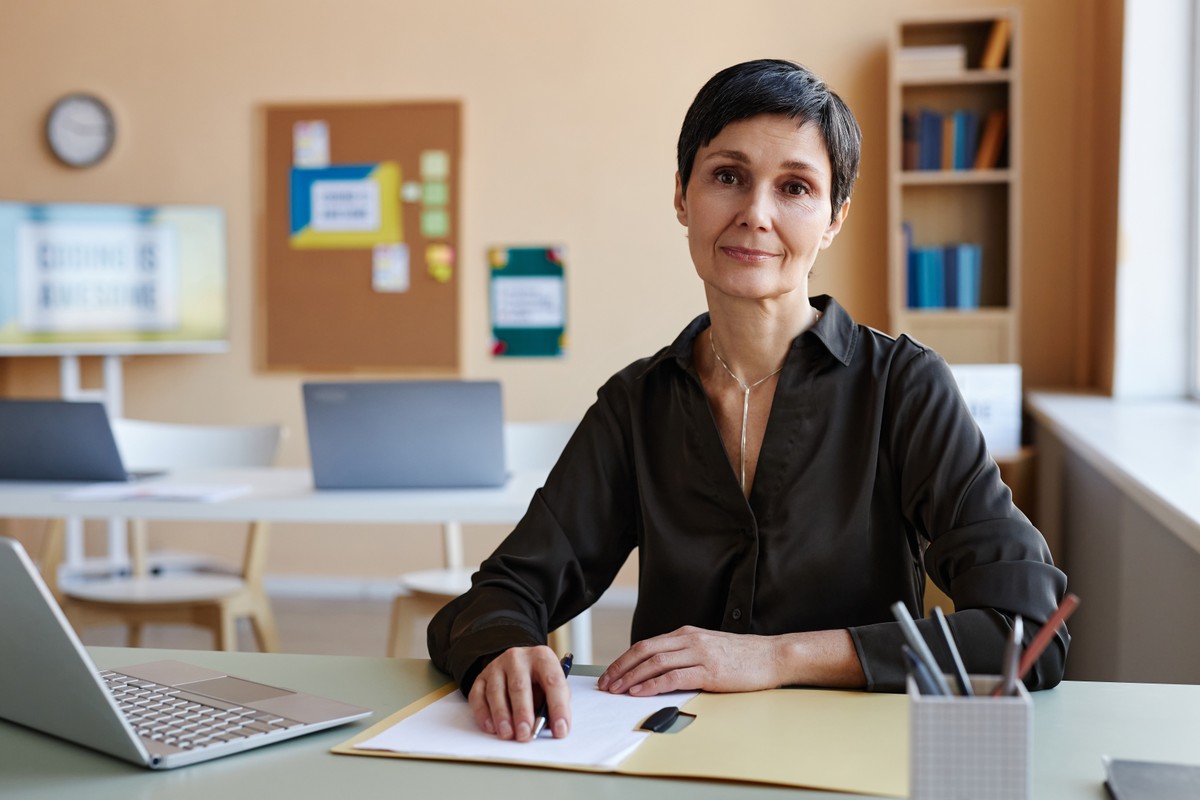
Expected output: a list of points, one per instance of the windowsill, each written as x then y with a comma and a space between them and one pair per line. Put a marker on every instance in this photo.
1149, 449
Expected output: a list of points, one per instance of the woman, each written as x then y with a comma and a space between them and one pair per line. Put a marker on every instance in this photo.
784, 473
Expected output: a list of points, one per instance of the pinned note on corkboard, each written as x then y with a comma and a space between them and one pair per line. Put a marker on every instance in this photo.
358, 267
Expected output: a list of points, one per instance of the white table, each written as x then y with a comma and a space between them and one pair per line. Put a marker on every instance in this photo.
287, 495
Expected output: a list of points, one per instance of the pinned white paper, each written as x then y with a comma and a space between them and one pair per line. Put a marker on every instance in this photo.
390, 268
310, 143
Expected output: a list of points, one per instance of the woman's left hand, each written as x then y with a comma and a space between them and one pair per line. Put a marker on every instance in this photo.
695, 658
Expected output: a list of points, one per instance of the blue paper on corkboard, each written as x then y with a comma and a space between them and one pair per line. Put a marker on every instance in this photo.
529, 301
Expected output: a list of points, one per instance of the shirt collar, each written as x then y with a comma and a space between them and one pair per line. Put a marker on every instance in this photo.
836, 330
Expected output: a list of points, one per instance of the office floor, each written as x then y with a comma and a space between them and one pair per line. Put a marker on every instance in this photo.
324, 626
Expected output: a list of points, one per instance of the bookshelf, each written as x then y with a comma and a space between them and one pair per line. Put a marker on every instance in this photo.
954, 184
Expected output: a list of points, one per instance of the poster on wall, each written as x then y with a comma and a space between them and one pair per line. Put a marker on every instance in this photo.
349, 206
528, 300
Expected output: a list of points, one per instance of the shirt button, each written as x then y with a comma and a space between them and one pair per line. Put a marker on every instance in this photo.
737, 613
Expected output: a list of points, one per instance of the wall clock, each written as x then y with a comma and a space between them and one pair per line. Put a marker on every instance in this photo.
80, 129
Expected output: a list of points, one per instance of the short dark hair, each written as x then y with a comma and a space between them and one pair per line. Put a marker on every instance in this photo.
774, 86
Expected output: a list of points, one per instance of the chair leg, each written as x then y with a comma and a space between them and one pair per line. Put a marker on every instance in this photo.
226, 630
394, 639
262, 621
135, 634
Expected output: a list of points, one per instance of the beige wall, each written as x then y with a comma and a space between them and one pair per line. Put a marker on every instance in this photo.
571, 110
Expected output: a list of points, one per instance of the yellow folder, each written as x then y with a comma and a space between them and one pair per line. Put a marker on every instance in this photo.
813, 738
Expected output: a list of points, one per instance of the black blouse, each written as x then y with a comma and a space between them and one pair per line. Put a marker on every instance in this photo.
871, 473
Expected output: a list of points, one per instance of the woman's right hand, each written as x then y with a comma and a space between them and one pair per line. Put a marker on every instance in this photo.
505, 697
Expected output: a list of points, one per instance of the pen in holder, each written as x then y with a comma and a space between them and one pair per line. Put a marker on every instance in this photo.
979, 747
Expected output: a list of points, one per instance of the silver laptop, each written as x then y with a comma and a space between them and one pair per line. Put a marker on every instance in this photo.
58, 440
162, 714
405, 434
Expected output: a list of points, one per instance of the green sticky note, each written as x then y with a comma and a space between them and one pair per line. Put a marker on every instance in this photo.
435, 165
436, 193
435, 222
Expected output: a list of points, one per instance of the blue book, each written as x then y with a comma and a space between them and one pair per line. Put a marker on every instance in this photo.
970, 269
914, 278
931, 282
929, 133
910, 268
950, 264
970, 128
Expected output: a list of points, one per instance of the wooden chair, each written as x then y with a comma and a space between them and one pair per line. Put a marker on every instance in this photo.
527, 446
208, 599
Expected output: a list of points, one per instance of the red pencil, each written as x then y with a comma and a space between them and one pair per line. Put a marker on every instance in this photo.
1047, 632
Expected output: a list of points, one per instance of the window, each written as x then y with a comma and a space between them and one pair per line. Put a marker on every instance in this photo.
1194, 311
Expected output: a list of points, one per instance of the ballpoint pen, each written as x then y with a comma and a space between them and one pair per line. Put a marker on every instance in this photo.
1012, 661
913, 636
960, 671
919, 672
543, 714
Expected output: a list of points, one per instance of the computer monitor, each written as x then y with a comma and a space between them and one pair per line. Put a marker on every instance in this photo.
109, 279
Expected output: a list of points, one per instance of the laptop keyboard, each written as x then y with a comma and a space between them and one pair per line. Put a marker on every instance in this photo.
185, 720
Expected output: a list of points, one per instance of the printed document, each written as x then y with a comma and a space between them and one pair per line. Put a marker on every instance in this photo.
603, 730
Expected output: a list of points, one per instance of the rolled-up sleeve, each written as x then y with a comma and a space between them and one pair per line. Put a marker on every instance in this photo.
978, 547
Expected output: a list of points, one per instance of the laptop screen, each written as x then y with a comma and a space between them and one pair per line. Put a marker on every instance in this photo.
405, 434
57, 440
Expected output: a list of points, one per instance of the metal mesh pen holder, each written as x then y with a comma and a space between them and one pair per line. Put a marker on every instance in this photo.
970, 748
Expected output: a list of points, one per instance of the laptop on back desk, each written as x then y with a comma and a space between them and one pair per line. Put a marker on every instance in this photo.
161, 714
58, 440
405, 434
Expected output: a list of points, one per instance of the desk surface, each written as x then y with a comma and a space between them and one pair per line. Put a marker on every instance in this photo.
283, 495
1075, 725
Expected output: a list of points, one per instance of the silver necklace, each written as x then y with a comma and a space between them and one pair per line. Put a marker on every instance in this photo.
745, 404
712, 342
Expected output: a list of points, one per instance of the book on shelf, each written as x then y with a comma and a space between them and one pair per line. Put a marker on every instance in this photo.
966, 138
948, 143
943, 276
929, 139
918, 62
926, 275
934, 141
910, 149
996, 49
968, 263
991, 140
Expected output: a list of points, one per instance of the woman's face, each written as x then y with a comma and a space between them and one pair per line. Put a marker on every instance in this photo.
757, 207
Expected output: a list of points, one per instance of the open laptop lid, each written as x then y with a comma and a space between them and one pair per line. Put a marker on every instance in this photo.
405, 434
49, 683
57, 440
47, 680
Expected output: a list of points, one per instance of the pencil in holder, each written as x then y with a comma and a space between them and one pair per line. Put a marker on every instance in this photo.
977, 747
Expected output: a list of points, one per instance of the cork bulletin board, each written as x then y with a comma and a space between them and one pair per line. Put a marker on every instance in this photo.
360, 238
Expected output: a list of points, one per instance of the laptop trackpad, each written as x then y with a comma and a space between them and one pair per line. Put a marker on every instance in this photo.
235, 690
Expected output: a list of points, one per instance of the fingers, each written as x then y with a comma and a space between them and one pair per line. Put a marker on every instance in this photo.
556, 693
505, 697
649, 659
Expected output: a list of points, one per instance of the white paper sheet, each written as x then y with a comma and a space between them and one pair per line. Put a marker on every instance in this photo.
200, 492
602, 730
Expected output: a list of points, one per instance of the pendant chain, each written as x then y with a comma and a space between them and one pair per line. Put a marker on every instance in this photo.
712, 341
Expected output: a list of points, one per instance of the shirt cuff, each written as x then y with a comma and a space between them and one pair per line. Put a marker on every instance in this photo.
878, 648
